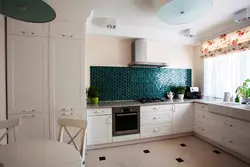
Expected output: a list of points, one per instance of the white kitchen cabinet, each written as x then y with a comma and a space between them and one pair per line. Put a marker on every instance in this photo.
27, 29
183, 118
67, 30
32, 127
67, 92
54, 128
99, 129
27, 64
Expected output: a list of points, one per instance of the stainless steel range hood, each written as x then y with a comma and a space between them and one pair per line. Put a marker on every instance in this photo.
140, 56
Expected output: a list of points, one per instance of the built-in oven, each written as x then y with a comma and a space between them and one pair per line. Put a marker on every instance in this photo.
125, 120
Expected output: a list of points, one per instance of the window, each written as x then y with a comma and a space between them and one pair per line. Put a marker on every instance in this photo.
225, 73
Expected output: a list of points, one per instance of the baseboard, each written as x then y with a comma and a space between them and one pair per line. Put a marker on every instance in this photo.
116, 144
237, 155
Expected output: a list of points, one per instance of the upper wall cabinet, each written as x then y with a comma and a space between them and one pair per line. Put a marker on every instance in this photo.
27, 74
30, 29
70, 30
66, 75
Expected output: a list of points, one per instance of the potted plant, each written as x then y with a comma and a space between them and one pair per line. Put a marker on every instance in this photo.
180, 90
93, 94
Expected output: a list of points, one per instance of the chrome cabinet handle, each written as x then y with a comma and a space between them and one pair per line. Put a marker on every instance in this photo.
156, 117
26, 32
64, 109
154, 108
26, 116
67, 35
173, 108
28, 110
64, 114
156, 130
110, 120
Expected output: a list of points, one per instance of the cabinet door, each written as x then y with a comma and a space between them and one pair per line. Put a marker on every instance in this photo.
29, 29
99, 129
66, 75
54, 128
32, 127
70, 30
183, 118
27, 74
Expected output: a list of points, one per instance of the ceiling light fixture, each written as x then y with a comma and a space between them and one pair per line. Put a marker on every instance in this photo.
35, 11
178, 12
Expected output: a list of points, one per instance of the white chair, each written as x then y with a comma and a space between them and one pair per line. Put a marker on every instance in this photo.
9, 126
81, 125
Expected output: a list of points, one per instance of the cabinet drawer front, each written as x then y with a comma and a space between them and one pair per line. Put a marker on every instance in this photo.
157, 108
67, 30
99, 111
201, 115
201, 106
156, 117
156, 130
201, 129
237, 127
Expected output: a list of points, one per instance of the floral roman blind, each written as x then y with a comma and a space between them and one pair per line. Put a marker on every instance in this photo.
235, 41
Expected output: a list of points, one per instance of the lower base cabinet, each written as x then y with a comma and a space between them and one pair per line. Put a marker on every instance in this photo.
183, 118
33, 126
99, 129
228, 132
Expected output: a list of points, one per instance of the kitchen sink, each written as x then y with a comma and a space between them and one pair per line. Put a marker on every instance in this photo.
228, 104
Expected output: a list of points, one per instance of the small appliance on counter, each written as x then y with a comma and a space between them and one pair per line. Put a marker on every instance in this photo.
193, 93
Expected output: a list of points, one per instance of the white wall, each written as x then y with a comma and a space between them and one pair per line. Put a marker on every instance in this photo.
2, 70
114, 51
198, 69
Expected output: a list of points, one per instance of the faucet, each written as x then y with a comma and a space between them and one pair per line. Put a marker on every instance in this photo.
246, 99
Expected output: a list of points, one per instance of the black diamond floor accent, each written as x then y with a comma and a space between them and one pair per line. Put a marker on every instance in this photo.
183, 145
216, 152
102, 158
146, 151
179, 160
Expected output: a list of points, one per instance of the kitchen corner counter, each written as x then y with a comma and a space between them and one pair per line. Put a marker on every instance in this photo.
110, 104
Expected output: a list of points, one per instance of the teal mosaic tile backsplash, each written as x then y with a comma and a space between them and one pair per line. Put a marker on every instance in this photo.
124, 83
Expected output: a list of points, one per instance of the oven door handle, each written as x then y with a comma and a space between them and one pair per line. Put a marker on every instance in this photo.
121, 115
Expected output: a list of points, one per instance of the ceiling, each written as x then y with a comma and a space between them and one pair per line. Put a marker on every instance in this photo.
137, 19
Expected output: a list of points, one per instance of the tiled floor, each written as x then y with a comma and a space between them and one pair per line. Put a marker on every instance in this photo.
180, 152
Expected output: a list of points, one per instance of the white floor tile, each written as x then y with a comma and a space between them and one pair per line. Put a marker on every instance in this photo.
196, 153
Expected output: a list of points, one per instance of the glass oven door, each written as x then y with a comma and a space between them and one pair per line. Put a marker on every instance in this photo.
126, 123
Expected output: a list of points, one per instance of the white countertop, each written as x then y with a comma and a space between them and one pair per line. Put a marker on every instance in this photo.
110, 104
215, 105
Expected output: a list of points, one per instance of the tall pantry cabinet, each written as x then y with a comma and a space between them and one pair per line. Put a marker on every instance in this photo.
45, 68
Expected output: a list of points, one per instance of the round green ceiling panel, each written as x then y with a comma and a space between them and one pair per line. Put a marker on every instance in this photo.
35, 11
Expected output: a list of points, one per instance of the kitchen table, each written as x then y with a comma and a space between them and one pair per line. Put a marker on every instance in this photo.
45, 153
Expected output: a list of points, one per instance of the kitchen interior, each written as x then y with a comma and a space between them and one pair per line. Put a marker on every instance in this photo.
163, 83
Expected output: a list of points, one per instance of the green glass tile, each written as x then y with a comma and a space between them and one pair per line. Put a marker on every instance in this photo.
124, 83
